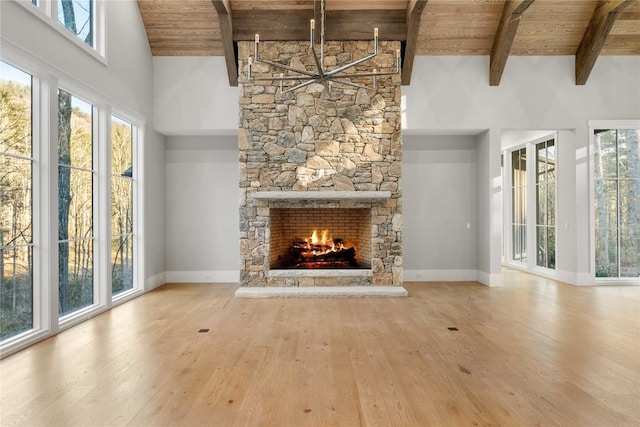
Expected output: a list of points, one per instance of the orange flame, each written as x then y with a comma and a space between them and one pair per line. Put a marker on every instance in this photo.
324, 240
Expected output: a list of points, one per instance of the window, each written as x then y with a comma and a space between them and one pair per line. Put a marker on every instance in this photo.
77, 17
519, 204
75, 203
533, 190
122, 226
81, 21
546, 204
16, 202
49, 282
617, 202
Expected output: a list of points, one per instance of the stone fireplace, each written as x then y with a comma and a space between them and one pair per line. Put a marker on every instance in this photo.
325, 160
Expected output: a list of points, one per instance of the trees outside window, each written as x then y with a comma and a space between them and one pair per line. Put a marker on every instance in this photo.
519, 205
91, 172
16, 196
75, 203
546, 204
81, 21
533, 190
77, 17
617, 202
122, 226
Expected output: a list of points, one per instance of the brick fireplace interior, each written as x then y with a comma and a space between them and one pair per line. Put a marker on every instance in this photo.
289, 228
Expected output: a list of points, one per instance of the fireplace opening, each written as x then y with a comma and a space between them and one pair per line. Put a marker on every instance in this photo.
320, 250
320, 238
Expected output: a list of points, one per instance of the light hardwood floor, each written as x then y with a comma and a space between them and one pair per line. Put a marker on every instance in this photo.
534, 352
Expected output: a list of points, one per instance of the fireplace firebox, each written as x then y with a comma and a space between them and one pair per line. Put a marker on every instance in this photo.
320, 238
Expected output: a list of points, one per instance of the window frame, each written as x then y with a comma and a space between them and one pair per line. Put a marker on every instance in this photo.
595, 125
95, 200
35, 194
46, 80
135, 205
546, 226
47, 11
531, 226
523, 260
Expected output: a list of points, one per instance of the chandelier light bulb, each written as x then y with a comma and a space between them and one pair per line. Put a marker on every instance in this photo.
321, 75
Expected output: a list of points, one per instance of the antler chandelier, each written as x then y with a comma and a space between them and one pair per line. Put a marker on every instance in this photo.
321, 75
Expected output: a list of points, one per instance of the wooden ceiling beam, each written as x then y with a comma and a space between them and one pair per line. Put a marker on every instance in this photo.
602, 20
503, 41
317, 16
340, 25
223, 7
414, 16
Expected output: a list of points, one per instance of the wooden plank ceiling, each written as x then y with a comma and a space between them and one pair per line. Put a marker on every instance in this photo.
497, 28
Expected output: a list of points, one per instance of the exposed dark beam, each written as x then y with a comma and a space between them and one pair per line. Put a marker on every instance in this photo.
340, 25
602, 20
414, 15
317, 15
223, 7
503, 41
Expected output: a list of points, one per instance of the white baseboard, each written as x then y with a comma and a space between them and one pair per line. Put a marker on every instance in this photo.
440, 275
15, 344
566, 277
491, 280
626, 281
231, 276
585, 279
155, 281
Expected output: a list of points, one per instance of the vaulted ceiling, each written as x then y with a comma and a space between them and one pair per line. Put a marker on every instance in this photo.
498, 28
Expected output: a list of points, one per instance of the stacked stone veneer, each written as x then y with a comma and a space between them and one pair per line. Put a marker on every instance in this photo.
313, 139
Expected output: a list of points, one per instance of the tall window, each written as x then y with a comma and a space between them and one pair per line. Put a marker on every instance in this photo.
16, 194
519, 204
617, 202
77, 17
121, 205
96, 182
546, 204
75, 203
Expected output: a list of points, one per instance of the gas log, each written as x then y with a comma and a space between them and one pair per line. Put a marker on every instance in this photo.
318, 255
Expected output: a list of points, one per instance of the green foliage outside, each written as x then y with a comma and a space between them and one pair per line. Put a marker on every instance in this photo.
16, 260
617, 202
121, 207
75, 214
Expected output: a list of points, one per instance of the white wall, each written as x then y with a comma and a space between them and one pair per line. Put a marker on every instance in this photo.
192, 96
483, 205
452, 95
126, 80
439, 199
449, 92
202, 215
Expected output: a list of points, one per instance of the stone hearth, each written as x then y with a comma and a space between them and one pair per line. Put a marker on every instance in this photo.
317, 149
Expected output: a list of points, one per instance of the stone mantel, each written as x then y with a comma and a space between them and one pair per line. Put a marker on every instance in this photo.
357, 196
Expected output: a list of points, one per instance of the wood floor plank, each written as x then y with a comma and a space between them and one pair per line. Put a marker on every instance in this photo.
534, 352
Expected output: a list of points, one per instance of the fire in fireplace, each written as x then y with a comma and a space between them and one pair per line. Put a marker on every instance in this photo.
320, 250
320, 238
